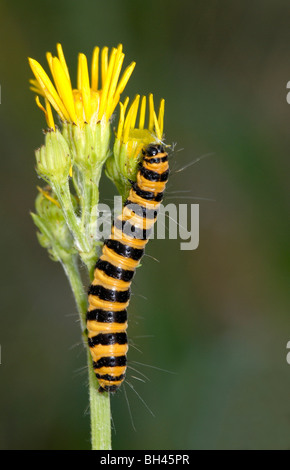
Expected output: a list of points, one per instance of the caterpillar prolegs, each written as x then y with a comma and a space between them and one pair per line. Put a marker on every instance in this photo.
109, 292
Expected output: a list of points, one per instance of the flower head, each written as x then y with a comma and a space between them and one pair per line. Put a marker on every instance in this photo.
135, 136
132, 136
92, 100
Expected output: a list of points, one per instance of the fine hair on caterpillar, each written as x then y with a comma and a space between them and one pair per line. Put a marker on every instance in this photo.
110, 291
136, 375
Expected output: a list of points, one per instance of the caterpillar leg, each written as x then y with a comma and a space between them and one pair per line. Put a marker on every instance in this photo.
108, 388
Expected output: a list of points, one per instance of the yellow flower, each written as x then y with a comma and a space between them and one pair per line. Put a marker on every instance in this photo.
89, 102
131, 139
136, 137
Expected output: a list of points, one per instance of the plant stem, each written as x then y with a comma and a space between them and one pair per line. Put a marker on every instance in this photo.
63, 195
99, 402
72, 271
100, 413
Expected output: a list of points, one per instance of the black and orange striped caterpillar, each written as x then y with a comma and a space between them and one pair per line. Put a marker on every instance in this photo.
109, 292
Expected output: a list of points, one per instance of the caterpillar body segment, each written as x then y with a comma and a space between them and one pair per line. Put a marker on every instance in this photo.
109, 293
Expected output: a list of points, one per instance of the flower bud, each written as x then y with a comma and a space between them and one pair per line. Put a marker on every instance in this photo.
53, 234
53, 160
89, 144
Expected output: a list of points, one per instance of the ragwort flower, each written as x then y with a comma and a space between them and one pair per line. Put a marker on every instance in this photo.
132, 137
92, 100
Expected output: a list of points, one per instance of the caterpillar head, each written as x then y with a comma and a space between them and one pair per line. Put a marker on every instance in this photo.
154, 149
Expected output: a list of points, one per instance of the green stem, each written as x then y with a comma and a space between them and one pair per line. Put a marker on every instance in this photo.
73, 222
100, 413
90, 261
73, 274
99, 402
94, 211
86, 200
90, 218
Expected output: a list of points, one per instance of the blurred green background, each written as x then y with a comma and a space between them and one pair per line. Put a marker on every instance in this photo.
218, 317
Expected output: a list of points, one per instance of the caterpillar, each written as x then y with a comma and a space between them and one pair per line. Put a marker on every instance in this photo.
109, 293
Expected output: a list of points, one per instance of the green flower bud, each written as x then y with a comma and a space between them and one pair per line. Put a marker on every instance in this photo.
53, 159
89, 144
53, 234
122, 166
